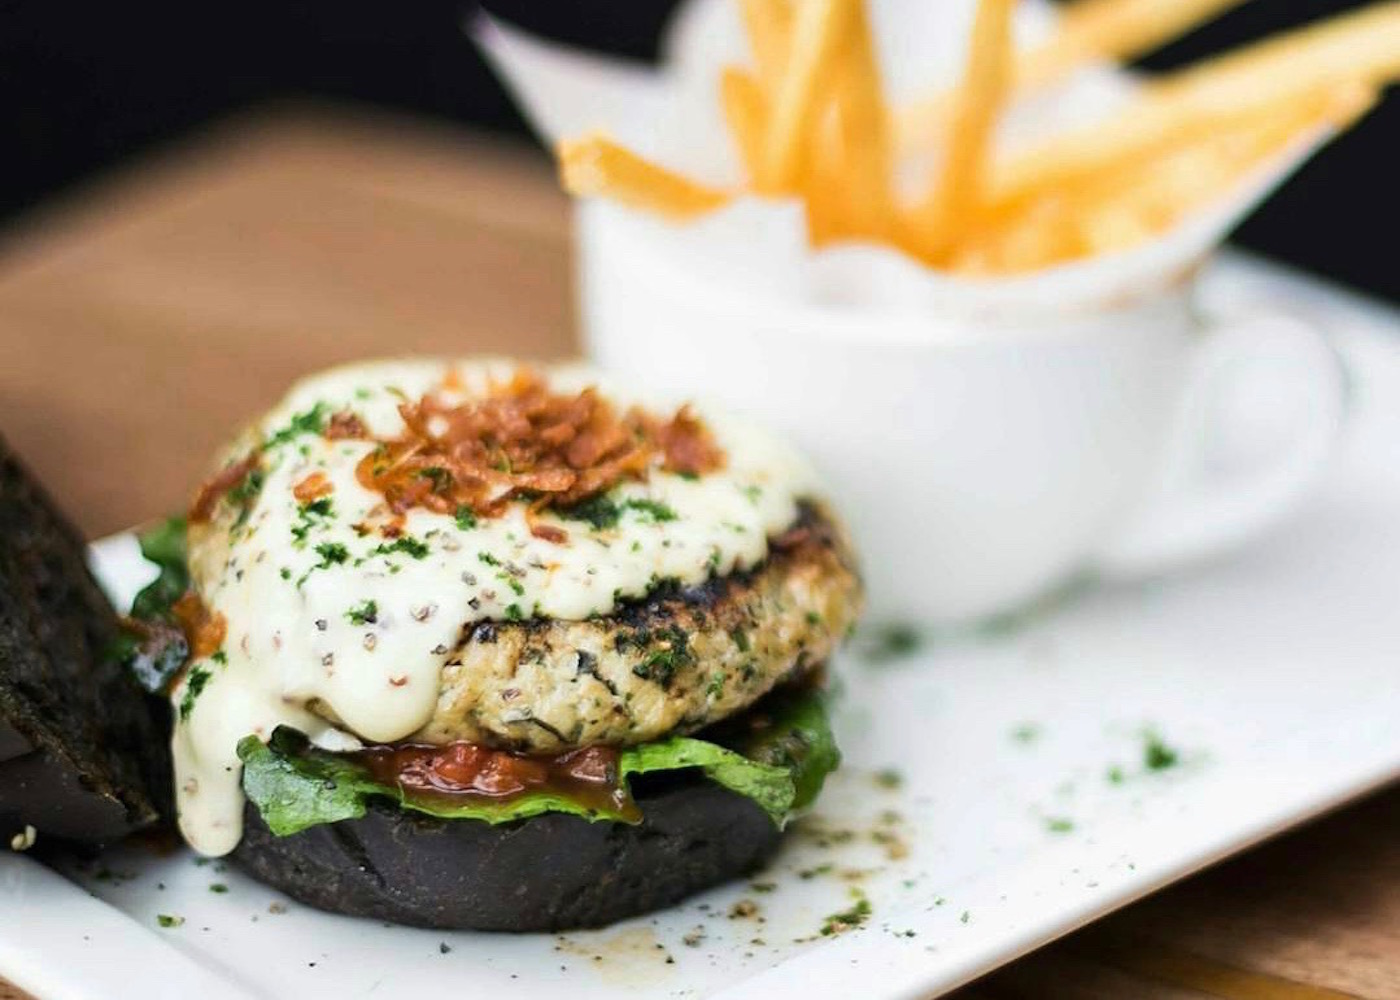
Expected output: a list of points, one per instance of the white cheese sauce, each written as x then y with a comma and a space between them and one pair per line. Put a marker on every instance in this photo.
342, 635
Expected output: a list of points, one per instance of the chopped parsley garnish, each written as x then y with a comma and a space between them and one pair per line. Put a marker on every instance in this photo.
366, 613
312, 514
599, 511
889, 778
1026, 732
248, 487
889, 642
313, 421
406, 544
657, 511
715, 689
219, 657
858, 914
247, 490
753, 493
466, 518
604, 512
1059, 824
515, 585
332, 554
663, 661
166, 920
218, 887
488, 558
1157, 755
513, 613
194, 687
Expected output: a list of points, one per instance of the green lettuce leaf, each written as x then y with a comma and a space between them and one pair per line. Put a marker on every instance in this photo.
781, 765
296, 785
152, 646
773, 788
797, 740
164, 545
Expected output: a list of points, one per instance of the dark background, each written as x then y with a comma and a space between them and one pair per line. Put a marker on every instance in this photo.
86, 85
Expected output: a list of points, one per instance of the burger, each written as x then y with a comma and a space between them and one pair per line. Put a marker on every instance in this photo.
474, 644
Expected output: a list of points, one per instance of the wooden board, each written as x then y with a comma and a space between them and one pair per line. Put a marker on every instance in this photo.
167, 305
145, 317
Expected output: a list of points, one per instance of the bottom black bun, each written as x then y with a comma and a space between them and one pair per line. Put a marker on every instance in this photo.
549, 873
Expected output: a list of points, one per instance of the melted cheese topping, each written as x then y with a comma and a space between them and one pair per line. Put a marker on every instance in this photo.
342, 634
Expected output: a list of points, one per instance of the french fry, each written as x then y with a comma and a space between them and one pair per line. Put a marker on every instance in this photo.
809, 120
1121, 30
746, 113
816, 35
1362, 47
1113, 229
1119, 208
1088, 31
768, 24
864, 131
595, 166
956, 198
1188, 179
1041, 234
829, 212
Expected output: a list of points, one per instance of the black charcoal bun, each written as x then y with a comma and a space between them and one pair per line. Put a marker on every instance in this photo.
548, 873
83, 750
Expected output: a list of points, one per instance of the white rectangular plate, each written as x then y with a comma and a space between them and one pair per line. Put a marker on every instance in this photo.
1026, 806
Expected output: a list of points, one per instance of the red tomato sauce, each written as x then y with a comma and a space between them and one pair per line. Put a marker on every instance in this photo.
464, 772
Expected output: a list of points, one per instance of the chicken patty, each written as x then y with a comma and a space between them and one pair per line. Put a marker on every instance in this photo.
672, 663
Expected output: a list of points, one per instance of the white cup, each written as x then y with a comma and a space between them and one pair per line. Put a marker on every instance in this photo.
1006, 437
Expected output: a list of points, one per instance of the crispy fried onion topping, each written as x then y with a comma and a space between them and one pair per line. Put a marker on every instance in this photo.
204, 630
523, 441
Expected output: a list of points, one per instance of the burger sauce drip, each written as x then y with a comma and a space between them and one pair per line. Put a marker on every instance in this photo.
466, 773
